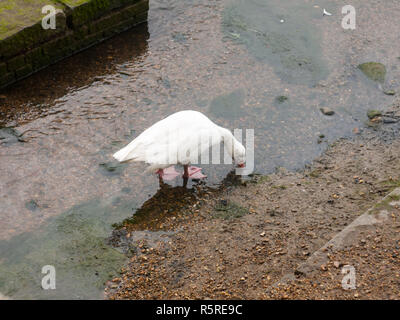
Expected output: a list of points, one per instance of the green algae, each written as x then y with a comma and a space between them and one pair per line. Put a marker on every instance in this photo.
281, 99
16, 15
371, 114
385, 204
374, 70
75, 243
227, 210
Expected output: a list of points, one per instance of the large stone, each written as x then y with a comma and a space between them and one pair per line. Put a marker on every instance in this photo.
374, 71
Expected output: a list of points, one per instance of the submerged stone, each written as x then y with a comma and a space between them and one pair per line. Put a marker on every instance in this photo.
326, 111
373, 114
373, 70
10, 135
112, 168
31, 205
281, 99
389, 92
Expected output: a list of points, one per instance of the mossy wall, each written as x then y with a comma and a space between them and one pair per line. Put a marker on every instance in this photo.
25, 47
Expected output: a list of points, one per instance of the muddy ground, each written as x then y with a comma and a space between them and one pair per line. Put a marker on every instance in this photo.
239, 242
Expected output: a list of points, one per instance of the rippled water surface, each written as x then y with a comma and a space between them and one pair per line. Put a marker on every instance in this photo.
233, 60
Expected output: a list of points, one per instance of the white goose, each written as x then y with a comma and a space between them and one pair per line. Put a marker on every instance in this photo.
180, 139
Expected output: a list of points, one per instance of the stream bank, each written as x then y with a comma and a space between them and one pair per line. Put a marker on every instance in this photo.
240, 243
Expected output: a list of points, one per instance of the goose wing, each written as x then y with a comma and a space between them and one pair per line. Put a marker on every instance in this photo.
179, 138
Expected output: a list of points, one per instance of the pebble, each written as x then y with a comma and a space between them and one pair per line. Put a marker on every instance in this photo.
371, 114
326, 111
389, 92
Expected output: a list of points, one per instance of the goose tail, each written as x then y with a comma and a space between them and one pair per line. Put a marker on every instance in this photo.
127, 154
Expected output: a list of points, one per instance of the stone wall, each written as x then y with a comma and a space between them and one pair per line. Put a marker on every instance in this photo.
25, 47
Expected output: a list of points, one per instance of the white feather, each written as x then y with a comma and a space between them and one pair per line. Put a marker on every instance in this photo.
326, 13
179, 139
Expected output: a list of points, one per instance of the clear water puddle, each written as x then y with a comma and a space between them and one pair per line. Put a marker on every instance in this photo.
235, 61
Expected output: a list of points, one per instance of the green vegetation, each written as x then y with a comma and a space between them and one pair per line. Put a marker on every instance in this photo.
16, 15
374, 71
281, 99
75, 243
227, 210
373, 114
315, 173
385, 204
258, 178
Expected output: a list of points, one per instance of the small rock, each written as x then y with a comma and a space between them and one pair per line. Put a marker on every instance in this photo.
336, 264
389, 92
389, 120
31, 205
373, 114
281, 99
262, 234
326, 111
323, 267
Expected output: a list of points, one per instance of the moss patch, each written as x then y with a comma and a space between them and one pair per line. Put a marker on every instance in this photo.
16, 15
227, 210
281, 99
75, 243
371, 114
374, 71
385, 204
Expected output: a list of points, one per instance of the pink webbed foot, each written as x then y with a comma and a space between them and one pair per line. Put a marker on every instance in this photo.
168, 174
194, 173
